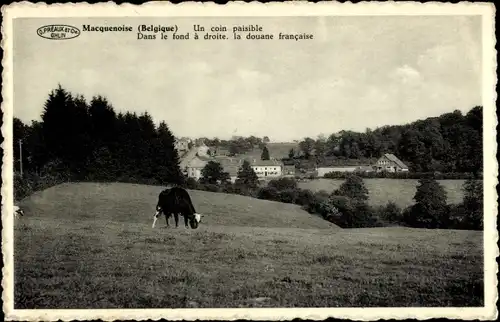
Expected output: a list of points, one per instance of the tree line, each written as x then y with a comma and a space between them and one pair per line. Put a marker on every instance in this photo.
451, 142
81, 140
237, 144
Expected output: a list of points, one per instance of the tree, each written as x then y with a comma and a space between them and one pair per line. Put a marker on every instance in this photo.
265, 154
306, 146
353, 187
430, 209
320, 147
165, 157
234, 149
213, 173
291, 154
246, 176
473, 204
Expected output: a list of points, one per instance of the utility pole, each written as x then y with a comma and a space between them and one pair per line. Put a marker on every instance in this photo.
21, 157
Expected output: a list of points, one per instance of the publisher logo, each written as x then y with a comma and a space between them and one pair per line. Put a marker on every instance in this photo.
58, 32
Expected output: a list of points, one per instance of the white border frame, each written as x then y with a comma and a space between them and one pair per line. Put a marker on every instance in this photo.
486, 10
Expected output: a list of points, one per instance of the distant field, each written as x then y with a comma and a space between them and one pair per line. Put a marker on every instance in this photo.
92, 246
400, 191
276, 150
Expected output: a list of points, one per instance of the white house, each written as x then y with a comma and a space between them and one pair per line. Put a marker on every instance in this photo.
390, 163
195, 165
267, 168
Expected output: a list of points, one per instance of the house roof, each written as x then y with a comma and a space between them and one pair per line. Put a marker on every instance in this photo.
395, 159
198, 162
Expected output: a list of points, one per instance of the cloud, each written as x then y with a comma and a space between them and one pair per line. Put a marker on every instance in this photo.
406, 74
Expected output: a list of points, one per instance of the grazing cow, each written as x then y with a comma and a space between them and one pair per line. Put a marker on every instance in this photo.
18, 211
176, 201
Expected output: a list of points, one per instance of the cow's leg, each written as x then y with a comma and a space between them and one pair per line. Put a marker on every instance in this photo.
176, 217
167, 216
186, 219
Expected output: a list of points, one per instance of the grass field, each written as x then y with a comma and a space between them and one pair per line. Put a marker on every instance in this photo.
400, 191
92, 246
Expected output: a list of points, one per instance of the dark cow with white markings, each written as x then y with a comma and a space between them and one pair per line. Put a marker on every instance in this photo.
176, 201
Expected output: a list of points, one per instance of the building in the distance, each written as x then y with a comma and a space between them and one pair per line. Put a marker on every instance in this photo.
390, 163
289, 170
195, 165
267, 168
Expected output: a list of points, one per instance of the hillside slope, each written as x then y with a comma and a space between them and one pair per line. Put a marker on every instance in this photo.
134, 203
89, 245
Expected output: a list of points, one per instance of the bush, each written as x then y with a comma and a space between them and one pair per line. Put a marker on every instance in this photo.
209, 187
244, 190
304, 197
283, 184
390, 213
191, 183
288, 195
227, 188
354, 213
32, 182
268, 193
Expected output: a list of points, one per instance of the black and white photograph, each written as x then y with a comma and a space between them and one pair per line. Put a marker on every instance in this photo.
269, 161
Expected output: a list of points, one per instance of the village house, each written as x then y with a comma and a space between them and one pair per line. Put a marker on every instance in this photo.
267, 168
390, 163
195, 165
230, 165
289, 170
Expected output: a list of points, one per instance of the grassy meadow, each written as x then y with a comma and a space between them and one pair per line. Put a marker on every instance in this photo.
400, 191
92, 246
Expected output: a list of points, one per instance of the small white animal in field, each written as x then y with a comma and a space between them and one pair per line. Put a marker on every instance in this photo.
18, 211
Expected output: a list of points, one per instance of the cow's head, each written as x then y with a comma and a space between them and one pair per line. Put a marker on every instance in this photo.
157, 214
195, 220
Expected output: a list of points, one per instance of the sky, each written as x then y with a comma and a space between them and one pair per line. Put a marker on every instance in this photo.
357, 73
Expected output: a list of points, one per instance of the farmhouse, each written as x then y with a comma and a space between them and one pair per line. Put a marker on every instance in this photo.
267, 168
230, 165
289, 170
390, 163
195, 165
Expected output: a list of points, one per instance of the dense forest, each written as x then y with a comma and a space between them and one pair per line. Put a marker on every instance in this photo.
451, 142
89, 141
